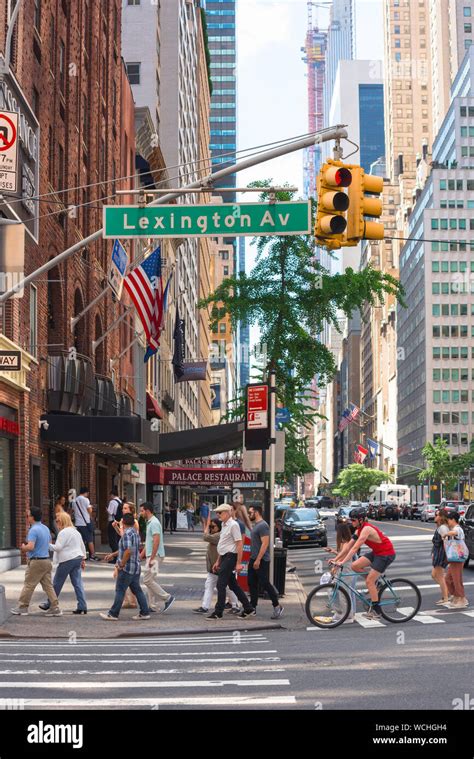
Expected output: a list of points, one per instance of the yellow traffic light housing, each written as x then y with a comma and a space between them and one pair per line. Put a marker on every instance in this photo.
362, 205
332, 203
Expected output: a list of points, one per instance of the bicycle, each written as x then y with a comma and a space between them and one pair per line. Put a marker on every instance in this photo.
329, 605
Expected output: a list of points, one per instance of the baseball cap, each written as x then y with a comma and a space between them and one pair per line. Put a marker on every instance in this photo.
224, 507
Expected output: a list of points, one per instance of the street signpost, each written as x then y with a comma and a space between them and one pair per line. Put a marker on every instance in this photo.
257, 422
218, 220
118, 267
8, 152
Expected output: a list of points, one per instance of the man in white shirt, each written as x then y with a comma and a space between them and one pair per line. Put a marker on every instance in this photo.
114, 514
83, 521
229, 560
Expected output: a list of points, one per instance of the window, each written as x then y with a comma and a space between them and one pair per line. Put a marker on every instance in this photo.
51, 155
61, 183
455, 375
445, 309
33, 344
436, 375
437, 353
435, 288
436, 396
435, 266
436, 331
436, 417
434, 224
133, 2
455, 396
133, 72
436, 310
62, 66
444, 396
445, 375
442, 184
464, 375
466, 11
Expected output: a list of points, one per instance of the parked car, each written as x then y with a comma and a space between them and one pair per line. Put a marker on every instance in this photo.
429, 511
302, 526
325, 502
384, 510
449, 506
467, 523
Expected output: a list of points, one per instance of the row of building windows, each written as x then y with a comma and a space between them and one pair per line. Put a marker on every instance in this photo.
467, 151
456, 204
221, 26
452, 352
223, 132
444, 246
453, 309
467, 131
455, 288
456, 184
452, 375
451, 330
451, 439
227, 38
467, 111
452, 417
451, 223
452, 266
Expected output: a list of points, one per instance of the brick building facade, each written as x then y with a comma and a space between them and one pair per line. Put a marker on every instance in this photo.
67, 61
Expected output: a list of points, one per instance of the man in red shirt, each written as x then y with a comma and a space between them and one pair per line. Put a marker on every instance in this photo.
380, 557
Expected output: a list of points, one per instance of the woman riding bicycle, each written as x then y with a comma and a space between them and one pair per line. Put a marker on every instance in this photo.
381, 555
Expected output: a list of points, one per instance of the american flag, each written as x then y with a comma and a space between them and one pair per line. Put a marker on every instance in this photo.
348, 415
145, 287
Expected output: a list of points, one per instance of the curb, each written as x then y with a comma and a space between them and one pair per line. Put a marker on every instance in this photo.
152, 633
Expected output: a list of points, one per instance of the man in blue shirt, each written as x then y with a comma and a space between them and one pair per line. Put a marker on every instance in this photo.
39, 567
127, 572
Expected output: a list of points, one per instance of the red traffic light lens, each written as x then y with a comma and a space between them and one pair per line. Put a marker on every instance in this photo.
343, 177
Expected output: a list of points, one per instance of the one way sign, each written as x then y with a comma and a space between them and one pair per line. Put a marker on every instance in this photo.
8, 151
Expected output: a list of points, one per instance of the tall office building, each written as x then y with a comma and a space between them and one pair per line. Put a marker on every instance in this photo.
315, 59
222, 41
340, 47
435, 330
179, 140
141, 43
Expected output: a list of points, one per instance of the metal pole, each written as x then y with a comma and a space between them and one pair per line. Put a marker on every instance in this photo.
315, 139
96, 343
272, 470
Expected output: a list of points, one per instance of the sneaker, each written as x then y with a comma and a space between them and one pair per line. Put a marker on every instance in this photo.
233, 610
109, 617
214, 615
152, 611
458, 604
44, 607
56, 612
250, 613
169, 602
277, 612
201, 610
141, 616
441, 602
464, 603
372, 614
20, 611
94, 558
228, 606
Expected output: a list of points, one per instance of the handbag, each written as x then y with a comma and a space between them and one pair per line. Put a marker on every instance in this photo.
456, 550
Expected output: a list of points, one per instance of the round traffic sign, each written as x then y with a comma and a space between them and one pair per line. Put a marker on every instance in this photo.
5, 143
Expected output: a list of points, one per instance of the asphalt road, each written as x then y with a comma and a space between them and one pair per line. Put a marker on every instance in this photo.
424, 664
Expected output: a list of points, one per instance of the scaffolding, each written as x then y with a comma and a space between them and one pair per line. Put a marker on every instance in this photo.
315, 59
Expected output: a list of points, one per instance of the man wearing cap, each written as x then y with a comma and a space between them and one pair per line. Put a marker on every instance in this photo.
229, 550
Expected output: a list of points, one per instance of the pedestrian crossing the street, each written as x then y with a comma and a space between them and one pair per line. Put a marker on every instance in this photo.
235, 669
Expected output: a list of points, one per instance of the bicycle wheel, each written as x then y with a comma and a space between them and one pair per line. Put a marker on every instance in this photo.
328, 606
399, 600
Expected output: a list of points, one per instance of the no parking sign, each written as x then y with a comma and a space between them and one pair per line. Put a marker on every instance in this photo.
8, 151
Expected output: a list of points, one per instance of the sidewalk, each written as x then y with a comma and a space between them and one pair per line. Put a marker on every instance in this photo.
182, 574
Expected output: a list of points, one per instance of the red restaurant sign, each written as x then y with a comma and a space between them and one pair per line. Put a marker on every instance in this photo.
207, 476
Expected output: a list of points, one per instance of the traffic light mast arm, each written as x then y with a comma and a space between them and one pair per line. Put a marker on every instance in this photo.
316, 138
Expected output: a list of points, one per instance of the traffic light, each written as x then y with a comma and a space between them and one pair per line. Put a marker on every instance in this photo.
362, 205
332, 204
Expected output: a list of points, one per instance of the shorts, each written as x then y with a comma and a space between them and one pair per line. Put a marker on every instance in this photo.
379, 563
87, 532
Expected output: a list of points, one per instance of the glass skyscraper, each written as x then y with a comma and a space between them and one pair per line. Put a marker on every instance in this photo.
221, 29
371, 124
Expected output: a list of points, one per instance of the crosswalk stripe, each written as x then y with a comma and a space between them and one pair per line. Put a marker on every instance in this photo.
153, 660
193, 671
363, 622
51, 685
78, 703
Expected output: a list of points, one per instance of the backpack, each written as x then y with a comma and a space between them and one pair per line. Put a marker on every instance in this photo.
119, 512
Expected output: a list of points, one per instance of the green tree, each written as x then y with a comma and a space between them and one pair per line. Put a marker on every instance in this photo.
440, 467
290, 296
357, 481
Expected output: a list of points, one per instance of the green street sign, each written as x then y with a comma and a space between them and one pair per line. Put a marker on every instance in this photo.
224, 219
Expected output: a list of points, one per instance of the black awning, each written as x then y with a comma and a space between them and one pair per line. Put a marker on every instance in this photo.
125, 439
193, 444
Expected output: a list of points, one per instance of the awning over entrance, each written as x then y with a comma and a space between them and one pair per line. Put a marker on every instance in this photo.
125, 439
204, 441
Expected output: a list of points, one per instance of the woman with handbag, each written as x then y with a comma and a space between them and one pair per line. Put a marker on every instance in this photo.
69, 560
438, 555
456, 554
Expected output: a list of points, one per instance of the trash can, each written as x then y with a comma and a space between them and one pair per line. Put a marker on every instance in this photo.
279, 556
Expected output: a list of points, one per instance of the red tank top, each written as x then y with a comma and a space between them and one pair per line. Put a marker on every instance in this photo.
385, 548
